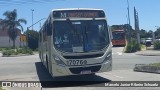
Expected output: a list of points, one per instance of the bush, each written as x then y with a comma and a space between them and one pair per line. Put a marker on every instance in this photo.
133, 46
128, 48
157, 45
9, 52
32, 39
5, 48
8, 48
17, 51
155, 64
1, 49
25, 50
36, 49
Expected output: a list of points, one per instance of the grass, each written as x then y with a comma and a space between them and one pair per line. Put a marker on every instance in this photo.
155, 64
143, 47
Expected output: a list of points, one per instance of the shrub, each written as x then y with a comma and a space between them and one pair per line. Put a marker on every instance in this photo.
9, 52
8, 48
157, 45
133, 46
17, 51
36, 49
25, 50
128, 48
138, 46
1, 49
155, 64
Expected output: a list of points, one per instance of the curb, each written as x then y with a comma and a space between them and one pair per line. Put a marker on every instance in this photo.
149, 54
146, 68
17, 55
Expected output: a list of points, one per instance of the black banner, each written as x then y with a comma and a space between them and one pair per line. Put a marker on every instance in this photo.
54, 84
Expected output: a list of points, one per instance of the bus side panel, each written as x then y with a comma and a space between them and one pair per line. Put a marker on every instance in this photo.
49, 53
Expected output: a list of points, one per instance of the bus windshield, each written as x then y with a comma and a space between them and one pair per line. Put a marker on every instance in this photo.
118, 35
80, 35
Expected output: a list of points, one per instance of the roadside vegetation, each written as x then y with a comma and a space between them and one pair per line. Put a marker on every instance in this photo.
4, 48
144, 34
32, 39
11, 23
17, 51
133, 46
155, 64
143, 47
157, 45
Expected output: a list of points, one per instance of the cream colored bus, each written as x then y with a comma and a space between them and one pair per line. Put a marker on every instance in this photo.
75, 42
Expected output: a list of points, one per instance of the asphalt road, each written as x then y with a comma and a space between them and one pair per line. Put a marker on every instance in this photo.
29, 68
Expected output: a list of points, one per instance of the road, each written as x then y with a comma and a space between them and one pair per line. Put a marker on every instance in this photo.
29, 68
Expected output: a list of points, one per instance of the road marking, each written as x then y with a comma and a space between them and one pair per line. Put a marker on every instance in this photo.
119, 53
113, 75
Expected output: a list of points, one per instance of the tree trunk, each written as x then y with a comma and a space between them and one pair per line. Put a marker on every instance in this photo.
14, 44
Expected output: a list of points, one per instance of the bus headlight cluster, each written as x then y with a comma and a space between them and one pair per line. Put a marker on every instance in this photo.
108, 58
59, 61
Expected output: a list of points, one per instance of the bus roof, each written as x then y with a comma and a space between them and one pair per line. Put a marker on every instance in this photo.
75, 9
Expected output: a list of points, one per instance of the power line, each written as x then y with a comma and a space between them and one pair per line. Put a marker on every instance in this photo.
20, 2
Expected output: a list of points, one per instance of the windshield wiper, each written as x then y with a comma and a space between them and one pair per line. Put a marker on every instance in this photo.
74, 30
86, 41
72, 27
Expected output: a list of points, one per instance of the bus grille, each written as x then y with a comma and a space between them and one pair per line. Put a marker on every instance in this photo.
83, 56
79, 69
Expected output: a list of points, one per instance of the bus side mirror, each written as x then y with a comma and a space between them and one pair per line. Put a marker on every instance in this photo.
49, 29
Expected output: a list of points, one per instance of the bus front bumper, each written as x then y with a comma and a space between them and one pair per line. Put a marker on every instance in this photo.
79, 70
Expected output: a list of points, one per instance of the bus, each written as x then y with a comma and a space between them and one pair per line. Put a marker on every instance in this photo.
75, 42
118, 38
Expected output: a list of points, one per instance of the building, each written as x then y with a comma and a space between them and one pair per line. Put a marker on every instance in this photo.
5, 41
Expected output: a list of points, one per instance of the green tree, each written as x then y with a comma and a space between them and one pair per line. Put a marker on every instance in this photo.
157, 33
11, 23
143, 33
149, 34
32, 39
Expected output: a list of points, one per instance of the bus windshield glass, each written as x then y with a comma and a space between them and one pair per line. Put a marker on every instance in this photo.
118, 35
80, 35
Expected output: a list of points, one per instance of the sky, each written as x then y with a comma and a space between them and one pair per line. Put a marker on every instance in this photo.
116, 10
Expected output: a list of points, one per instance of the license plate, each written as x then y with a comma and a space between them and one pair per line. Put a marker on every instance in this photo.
86, 72
76, 62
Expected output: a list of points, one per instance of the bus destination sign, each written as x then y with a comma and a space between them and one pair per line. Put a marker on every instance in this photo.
79, 14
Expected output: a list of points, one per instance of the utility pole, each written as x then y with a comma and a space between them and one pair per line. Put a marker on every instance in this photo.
129, 29
32, 17
136, 19
40, 25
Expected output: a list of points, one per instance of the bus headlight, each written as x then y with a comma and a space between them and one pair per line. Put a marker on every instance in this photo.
59, 61
108, 57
